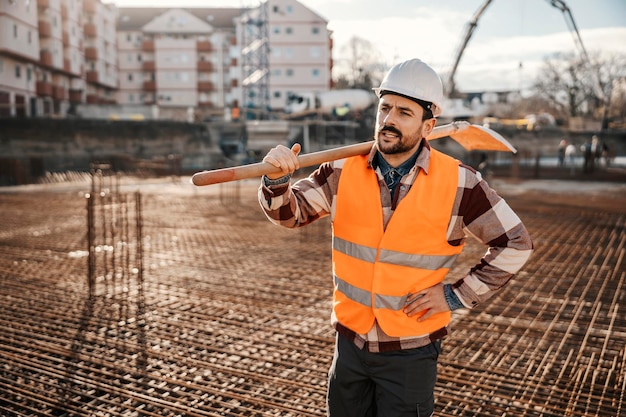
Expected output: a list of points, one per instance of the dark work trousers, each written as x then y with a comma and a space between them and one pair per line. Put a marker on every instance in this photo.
389, 384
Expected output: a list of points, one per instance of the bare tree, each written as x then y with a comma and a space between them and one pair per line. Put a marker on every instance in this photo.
612, 72
576, 87
362, 64
563, 81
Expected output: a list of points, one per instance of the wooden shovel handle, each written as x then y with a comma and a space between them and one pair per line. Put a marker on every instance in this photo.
306, 160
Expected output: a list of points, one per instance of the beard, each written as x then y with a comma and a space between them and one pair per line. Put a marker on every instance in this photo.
403, 144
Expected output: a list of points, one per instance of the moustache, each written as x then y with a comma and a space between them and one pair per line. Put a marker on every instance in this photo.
390, 129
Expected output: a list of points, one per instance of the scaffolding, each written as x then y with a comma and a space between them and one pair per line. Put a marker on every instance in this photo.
255, 61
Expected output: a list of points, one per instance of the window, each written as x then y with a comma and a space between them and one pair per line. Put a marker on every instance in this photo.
289, 30
29, 74
315, 72
277, 94
131, 98
18, 71
276, 30
139, 57
289, 72
130, 77
276, 73
315, 52
30, 37
14, 30
315, 30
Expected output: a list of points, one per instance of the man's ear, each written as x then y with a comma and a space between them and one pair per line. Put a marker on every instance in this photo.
428, 126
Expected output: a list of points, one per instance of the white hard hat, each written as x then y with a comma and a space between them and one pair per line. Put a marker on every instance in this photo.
414, 79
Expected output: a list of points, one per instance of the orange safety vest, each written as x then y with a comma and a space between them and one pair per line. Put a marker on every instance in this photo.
375, 270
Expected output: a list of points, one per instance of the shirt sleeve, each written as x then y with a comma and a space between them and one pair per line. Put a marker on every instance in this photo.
488, 218
300, 203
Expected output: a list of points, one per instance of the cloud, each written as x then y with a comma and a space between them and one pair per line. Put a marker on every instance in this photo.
488, 63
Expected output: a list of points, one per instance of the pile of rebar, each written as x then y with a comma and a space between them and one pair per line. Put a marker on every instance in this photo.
230, 314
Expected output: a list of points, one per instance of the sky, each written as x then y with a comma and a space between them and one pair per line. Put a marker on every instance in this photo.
506, 50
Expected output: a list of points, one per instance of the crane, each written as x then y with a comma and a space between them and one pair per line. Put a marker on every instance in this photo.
450, 87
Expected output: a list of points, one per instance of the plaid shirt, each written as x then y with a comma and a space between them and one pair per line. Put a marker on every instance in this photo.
478, 211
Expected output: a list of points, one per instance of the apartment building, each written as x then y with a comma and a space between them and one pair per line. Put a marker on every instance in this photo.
55, 54
176, 58
100, 51
58, 54
300, 56
195, 57
19, 56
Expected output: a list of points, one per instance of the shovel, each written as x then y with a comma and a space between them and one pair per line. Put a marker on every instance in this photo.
470, 136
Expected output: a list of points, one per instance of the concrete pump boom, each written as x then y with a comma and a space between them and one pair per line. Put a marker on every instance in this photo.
450, 87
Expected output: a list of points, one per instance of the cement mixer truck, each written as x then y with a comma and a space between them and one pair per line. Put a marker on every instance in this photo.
337, 103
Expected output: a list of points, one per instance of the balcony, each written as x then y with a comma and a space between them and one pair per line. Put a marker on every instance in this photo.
45, 29
67, 65
204, 66
76, 96
147, 46
91, 53
204, 46
92, 99
90, 30
93, 77
45, 57
59, 93
44, 88
148, 66
89, 6
205, 86
149, 85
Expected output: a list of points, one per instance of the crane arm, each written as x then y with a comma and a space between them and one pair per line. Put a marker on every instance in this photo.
571, 24
469, 30
450, 87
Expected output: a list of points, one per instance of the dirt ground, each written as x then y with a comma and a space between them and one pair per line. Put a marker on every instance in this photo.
225, 314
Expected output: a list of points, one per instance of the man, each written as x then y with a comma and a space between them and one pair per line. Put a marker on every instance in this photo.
400, 216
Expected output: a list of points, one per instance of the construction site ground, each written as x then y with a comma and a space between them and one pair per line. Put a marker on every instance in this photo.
228, 315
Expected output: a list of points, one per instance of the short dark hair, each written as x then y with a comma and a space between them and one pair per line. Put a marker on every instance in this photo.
426, 105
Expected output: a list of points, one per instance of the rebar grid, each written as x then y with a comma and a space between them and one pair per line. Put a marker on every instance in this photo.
234, 317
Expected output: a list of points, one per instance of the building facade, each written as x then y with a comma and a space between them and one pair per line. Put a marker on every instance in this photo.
55, 54
300, 56
60, 55
176, 58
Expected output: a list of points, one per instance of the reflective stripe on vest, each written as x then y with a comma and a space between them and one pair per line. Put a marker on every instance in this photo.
367, 254
376, 270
